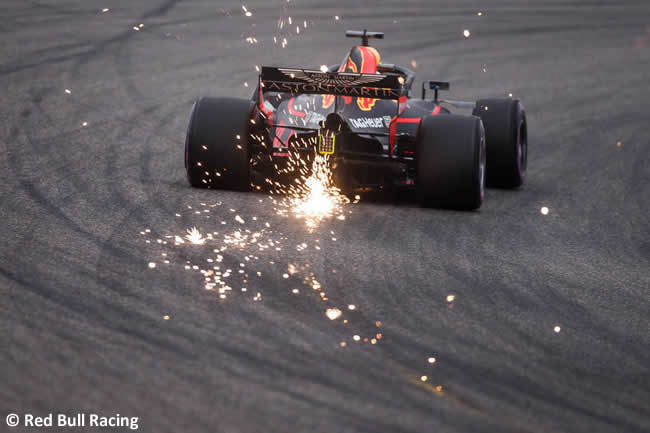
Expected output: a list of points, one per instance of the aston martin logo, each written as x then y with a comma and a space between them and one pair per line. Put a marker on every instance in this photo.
332, 78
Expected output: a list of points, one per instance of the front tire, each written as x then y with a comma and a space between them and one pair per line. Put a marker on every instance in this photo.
506, 133
450, 166
216, 145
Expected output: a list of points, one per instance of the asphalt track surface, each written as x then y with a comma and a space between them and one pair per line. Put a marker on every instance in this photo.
82, 315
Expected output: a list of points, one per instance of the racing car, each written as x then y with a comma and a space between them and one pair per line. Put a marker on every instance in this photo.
363, 114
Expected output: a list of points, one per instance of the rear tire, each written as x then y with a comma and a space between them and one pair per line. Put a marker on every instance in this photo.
450, 152
506, 135
216, 145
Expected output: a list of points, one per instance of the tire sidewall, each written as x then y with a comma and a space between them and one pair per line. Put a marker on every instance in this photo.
216, 147
480, 160
448, 156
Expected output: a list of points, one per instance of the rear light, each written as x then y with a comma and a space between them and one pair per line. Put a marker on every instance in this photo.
326, 144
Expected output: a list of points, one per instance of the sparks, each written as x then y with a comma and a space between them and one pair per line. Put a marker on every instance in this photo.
333, 313
194, 236
314, 197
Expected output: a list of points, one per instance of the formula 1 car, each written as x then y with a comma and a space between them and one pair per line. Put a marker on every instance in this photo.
363, 115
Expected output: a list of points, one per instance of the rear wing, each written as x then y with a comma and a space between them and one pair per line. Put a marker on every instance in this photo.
305, 81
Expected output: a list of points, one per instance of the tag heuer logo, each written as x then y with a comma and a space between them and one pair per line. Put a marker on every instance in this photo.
367, 122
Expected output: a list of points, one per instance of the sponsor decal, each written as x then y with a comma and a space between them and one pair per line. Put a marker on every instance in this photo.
293, 111
363, 92
366, 104
328, 100
337, 79
368, 122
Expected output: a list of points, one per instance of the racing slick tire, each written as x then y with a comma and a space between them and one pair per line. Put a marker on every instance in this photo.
450, 162
506, 135
216, 151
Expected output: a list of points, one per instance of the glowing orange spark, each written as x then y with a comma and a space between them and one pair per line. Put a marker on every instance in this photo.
333, 313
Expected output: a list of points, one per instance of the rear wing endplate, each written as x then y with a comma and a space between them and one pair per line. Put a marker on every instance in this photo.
305, 81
